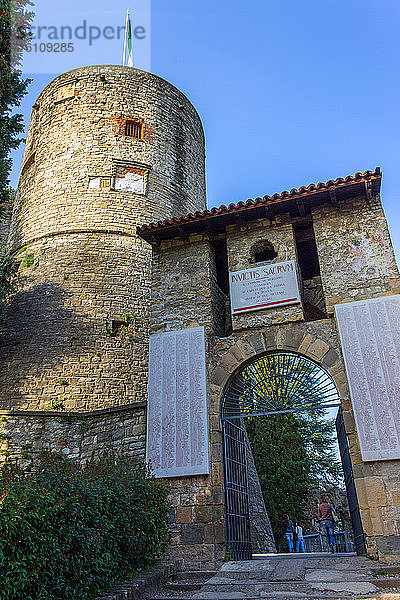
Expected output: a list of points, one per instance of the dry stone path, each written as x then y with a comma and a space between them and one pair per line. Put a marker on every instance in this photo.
289, 577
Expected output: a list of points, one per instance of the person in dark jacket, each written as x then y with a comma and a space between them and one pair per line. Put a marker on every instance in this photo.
288, 531
325, 515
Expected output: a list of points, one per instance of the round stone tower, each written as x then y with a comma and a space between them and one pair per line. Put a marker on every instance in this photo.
109, 148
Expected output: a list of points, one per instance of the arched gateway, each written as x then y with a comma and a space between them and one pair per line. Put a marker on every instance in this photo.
274, 383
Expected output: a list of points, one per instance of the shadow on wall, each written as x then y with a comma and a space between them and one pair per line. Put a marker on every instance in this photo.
38, 333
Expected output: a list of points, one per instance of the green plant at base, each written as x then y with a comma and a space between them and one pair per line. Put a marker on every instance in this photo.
28, 260
370, 556
228, 554
68, 532
84, 427
62, 382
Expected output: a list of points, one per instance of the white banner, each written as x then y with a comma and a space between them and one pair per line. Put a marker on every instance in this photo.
177, 428
370, 336
264, 287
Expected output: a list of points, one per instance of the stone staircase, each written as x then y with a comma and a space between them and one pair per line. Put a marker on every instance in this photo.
288, 577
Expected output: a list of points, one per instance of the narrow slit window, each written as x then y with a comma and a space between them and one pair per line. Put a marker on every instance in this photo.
134, 129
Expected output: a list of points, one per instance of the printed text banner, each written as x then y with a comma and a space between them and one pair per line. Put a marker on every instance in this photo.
264, 287
177, 430
370, 336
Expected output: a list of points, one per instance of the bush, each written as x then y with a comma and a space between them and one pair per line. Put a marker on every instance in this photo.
69, 533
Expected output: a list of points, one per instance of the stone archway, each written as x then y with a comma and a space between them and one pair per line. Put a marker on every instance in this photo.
247, 349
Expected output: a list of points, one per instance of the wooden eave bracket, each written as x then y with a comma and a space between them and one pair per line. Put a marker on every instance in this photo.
332, 197
238, 219
209, 228
182, 233
300, 207
154, 241
270, 213
368, 185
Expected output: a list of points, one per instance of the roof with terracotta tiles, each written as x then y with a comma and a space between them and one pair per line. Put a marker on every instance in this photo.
298, 202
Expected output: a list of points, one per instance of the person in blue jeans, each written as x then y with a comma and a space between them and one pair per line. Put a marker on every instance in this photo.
288, 531
299, 538
325, 515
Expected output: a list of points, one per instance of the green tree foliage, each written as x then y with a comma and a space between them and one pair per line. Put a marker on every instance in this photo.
14, 19
294, 456
282, 464
319, 437
68, 532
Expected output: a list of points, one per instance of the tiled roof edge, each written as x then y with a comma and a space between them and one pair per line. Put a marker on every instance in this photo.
303, 190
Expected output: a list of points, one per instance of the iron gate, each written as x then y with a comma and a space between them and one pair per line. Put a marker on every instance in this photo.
236, 491
359, 541
276, 383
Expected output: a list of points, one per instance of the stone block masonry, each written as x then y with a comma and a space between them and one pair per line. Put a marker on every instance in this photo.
5, 222
78, 436
82, 267
242, 243
355, 252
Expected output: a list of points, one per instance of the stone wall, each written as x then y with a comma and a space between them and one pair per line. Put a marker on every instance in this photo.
378, 484
378, 492
355, 252
262, 537
312, 293
183, 281
59, 346
84, 272
241, 241
5, 222
78, 436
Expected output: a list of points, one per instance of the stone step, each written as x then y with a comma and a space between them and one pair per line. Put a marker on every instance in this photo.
260, 588
386, 582
278, 596
189, 576
175, 586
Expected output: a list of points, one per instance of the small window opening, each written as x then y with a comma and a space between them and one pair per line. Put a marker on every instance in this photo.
267, 252
105, 182
134, 129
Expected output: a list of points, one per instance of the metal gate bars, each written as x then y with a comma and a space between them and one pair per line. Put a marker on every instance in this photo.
280, 382
236, 492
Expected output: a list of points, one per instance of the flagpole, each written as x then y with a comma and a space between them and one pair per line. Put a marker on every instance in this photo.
126, 33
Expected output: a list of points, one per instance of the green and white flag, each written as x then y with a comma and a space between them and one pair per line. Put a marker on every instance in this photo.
128, 43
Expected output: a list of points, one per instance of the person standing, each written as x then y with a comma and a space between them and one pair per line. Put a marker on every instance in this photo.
299, 538
288, 531
325, 515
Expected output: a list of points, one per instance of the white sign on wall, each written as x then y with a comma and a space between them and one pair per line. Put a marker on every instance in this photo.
177, 429
264, 287
370, 336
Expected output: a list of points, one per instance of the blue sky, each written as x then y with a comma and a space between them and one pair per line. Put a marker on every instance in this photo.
289, 92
